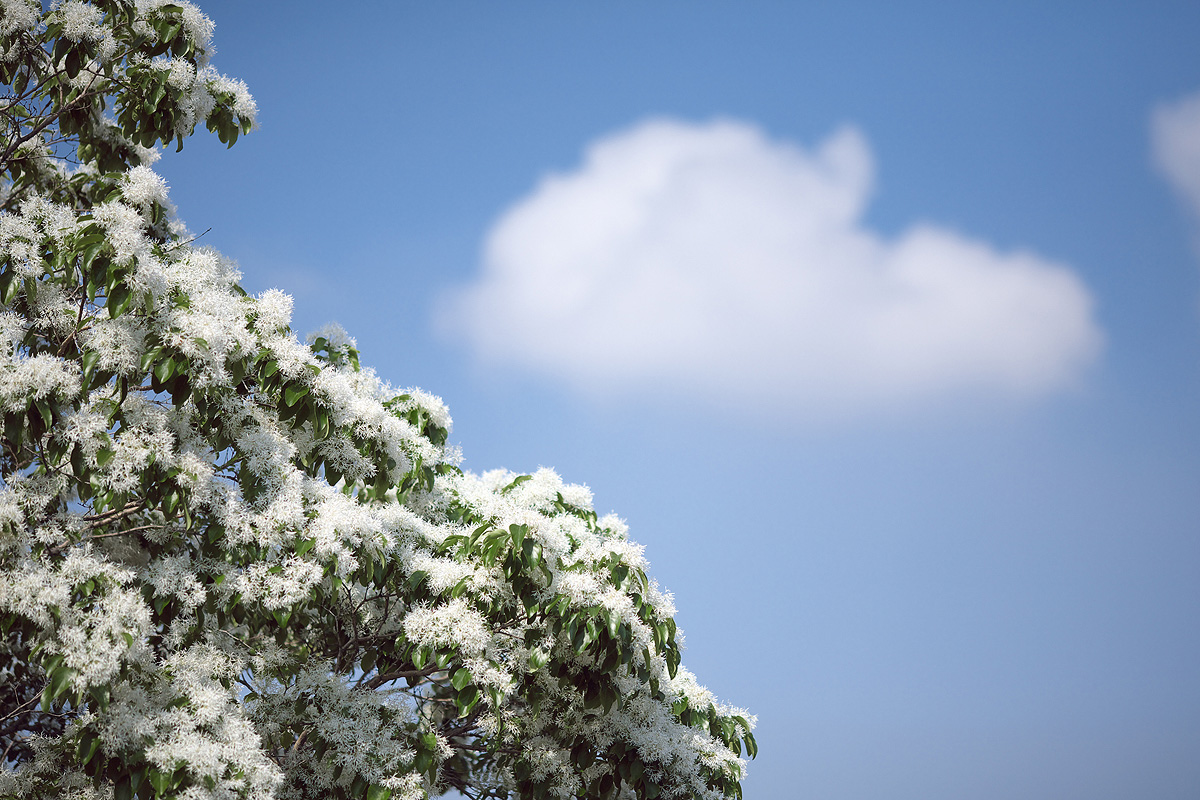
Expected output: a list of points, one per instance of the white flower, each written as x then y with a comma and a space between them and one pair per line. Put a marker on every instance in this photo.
335, 334
80, 21
260, 583
452, 624
173, 577
18, 15
181, 74
36, 378
142, 186
274, 310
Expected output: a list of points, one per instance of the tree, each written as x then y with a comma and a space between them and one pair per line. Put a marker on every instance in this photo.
236, 565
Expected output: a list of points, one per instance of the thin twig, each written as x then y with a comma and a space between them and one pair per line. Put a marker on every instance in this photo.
19, 710
116, 513
189, 241
388, 677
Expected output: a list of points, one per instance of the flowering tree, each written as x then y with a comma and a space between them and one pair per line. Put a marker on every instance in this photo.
236, 565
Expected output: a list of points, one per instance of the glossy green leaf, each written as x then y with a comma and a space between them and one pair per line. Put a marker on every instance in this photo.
293, 392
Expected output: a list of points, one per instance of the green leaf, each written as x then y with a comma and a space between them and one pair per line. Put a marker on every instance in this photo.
538, 658
89, 359
14, 427
466, 699
517, 481
518, 534
88, 743
59, 681
45, 412
89, 254
163, 369
578, 636
101, 695
74, 63
293, 392
61, 47
160, 780
461, 678
321, 429
119, 300
8, 285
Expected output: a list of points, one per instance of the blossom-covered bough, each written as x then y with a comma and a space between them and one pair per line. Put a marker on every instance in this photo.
236, 565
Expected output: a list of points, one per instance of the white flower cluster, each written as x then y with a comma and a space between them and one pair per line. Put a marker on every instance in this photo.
454, 624
35, 378
82, 21
359, 727
199, 27
105, 631
183, 711
18, 15
199, 90
93, 636
142, 186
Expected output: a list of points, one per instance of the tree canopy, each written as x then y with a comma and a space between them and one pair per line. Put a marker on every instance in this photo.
233, 564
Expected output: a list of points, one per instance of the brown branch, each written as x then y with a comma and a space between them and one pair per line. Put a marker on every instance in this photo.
300, 739
467, 724
20, 710
100, 520
78, 320
97, 520
388, 677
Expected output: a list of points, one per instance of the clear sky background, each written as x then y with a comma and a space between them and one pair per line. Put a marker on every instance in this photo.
879, 323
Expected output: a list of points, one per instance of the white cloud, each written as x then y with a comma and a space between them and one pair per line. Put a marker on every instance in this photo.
711, 260
1175, 134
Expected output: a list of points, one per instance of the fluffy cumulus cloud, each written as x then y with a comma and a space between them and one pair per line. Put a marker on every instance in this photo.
712, 260
1175, 133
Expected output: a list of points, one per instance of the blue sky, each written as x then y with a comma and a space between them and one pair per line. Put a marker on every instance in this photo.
958, 557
